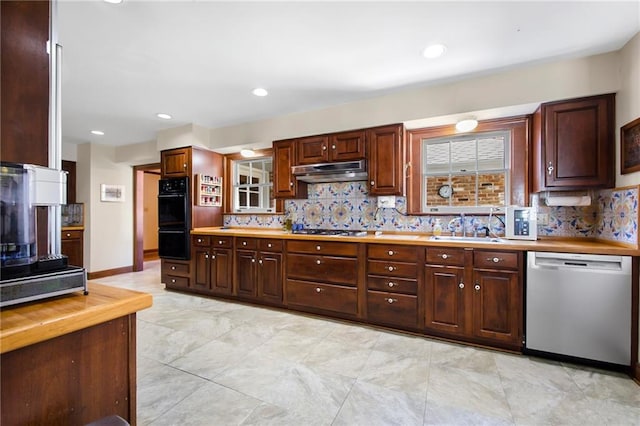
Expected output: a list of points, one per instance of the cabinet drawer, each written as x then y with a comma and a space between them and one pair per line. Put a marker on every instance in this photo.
174, 281
323, 296
246, 243
495, 259
393, 268
222, 241
202, 240
72, 235
392, 308
270, 245
384, 252
339, 270
392, 284
175, 268
445, 256
323, 247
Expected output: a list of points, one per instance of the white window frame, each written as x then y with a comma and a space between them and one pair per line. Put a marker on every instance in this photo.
264, 186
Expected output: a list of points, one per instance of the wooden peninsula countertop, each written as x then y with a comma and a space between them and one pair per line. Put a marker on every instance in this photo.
564, 245
34, 322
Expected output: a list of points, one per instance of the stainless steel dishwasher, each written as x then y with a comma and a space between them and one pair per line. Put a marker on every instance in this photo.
579, 305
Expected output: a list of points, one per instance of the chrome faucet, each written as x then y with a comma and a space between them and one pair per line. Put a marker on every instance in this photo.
452, 228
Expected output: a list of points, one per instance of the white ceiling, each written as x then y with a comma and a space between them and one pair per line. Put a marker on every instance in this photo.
199, 60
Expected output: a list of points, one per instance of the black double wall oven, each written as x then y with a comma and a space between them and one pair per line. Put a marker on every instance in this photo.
174, 218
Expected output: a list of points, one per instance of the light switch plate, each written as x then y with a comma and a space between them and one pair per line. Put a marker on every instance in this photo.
387, 202
543, 219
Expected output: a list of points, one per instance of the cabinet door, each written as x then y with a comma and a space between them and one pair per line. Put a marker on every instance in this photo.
176, 162
444, 301
386, 158
284, 183
246, 273
201, 264
314, 149
72, 247
70, 168
347, 146
496, 306
270, 277
579, 143
222, 271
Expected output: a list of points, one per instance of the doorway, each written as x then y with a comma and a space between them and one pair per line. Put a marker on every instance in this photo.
145, 214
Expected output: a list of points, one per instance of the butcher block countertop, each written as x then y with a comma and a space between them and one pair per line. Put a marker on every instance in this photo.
34, 322
564, 245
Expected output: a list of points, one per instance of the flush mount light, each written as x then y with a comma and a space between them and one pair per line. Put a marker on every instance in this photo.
260, 92
434, 51
97, 132
466, 125
248, 153
113, 1
164, 116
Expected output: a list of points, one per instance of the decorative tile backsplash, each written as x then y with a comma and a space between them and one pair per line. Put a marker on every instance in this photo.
613, 215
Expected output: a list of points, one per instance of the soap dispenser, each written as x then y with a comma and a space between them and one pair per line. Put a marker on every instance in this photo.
437, 228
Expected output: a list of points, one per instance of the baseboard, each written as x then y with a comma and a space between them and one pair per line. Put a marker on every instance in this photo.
151, 254
109, 272
636, 375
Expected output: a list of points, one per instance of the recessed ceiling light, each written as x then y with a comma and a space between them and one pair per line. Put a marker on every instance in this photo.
466, 125
113, 1
434, 51
260, 92
164, 116
247, 153
97, 132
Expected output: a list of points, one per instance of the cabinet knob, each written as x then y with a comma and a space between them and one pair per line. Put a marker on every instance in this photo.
184, 166
324, 147
444, 256
373, 183
550, 168
206, 256
253, 261
173, 268
244, 243
461, 285
213, 257
391, 252
68, 235
333, 146
477, 287
318, 290
260, 261
220, 242
493, 259
269, 245
173, 280
391, 284
390, 300
318, 262
199, 240
318, 248
291, 184
391, 268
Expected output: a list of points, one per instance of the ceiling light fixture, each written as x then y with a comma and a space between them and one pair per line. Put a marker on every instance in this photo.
97, 132
164, 116
466, 125
113, 1
260, 92
434, 51
248, 153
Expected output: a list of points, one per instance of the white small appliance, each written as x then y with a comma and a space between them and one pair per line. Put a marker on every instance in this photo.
521, 223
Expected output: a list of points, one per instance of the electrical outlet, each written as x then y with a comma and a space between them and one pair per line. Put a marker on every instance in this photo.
387, 202
543, 219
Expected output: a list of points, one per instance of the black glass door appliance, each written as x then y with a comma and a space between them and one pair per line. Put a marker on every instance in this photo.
174, 218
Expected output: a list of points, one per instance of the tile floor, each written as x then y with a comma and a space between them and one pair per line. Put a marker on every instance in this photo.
208, 362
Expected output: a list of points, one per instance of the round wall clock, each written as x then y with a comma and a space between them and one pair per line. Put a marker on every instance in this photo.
445, 191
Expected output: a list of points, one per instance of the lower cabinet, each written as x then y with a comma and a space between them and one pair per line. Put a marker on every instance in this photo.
176, 274
475, 295
212, 259
259, 269
326, 297
72, 245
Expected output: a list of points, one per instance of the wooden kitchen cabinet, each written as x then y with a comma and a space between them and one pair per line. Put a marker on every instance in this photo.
313, 149
259, 269
393, 280
474, 295
213, 264
175, 274
574, 144
72, 246
175, 162
344, 146
285, 185
323, 276
70, 168
386, 150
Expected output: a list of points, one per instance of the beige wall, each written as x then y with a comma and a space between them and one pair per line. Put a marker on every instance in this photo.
108, 242
628, 100
150, 217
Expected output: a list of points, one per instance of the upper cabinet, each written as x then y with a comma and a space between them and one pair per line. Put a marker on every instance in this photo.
386, 160
574, 144
345, 146
176, 162
285, 184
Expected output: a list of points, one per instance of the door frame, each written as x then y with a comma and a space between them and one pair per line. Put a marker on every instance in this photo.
138, 213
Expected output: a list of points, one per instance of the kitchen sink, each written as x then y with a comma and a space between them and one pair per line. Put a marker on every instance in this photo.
461, 239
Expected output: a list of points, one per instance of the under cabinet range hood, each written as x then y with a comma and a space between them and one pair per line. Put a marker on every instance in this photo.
331, 172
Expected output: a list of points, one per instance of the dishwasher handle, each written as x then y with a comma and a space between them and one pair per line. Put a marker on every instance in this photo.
577, 261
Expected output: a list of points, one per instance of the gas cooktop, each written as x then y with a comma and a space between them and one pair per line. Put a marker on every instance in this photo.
339, 232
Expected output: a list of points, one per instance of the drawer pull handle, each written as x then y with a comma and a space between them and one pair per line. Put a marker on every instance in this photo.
493, 259
318, 290
173, 268
390, 300
318, 248
477, 287
318, 261
461, 285
391, 284
391, 268
391, 253
444, 256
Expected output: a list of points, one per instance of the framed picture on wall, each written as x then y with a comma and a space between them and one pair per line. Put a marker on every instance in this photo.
630, 147
112, 193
